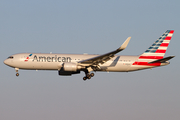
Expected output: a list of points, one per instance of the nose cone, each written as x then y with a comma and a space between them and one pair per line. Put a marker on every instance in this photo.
6, 62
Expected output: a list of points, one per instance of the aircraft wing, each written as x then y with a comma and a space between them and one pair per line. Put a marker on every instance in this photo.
163, 60
105, 57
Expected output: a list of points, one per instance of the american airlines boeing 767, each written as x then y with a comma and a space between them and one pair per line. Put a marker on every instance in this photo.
68, 64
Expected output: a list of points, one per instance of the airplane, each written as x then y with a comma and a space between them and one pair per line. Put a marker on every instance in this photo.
68, 64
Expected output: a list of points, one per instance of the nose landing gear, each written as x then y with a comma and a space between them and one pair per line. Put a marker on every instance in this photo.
17, 74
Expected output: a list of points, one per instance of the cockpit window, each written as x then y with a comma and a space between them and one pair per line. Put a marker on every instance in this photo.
10, 57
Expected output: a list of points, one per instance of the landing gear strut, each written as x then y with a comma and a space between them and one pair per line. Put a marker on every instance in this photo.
17, 74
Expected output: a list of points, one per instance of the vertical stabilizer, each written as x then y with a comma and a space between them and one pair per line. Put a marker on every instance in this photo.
158, 49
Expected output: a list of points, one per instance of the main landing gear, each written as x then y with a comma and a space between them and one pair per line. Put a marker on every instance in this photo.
88, 76
17, 74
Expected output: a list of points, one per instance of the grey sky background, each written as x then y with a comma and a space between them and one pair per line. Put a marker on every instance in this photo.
93, 27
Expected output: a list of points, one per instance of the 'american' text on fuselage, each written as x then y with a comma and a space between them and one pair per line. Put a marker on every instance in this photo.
51, 59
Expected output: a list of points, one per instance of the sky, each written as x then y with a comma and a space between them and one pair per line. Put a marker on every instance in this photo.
93, 27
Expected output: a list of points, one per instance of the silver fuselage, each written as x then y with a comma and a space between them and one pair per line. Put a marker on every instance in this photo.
40, 61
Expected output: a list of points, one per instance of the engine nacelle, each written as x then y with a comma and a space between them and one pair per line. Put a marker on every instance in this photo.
70, 67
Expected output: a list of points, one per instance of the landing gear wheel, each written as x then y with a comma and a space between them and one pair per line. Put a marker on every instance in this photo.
89, 77
84, 78
92, 74
17, 74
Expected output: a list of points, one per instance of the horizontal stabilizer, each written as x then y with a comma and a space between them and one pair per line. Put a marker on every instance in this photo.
163, 60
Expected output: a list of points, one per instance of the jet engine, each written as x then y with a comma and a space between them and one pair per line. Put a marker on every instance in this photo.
69, 68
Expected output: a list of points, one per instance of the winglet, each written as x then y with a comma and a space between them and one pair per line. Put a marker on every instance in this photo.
124, 45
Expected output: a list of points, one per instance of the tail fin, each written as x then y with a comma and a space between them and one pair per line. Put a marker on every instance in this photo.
158, 49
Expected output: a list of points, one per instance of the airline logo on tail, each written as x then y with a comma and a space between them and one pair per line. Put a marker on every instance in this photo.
156, 51
28, 58
159, 47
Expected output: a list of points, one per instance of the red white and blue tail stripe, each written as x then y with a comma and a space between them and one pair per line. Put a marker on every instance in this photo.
156, 51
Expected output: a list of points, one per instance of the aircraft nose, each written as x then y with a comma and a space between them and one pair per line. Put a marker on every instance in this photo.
5, 62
